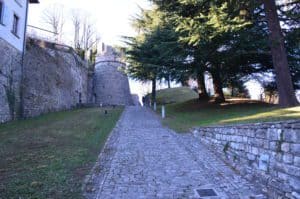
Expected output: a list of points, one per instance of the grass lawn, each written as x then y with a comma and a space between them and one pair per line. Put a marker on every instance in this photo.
175, 95
184, 115
49, 156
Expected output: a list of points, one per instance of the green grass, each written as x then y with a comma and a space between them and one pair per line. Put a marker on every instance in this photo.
49, 156
186, 111
175, 95
183, 116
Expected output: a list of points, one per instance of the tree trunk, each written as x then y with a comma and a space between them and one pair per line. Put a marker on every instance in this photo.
232, 91
185, 83
284, 83
169, 81
218, 87
153, 96
201, 87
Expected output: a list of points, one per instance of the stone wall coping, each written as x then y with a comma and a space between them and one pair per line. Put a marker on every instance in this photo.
59, 48
260, 125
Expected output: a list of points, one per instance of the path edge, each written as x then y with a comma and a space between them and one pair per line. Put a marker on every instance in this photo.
93, 180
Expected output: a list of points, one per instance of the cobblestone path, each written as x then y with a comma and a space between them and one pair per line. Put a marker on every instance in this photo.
143, 159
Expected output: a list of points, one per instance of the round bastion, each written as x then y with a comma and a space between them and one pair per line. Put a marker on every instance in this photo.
111, 85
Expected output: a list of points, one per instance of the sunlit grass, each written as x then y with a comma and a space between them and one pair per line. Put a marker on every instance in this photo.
181, 116
175, 95
277, 114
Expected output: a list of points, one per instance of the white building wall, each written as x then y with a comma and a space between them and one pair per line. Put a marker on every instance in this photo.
12, 7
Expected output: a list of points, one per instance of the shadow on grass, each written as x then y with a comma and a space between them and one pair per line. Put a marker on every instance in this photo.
183, 116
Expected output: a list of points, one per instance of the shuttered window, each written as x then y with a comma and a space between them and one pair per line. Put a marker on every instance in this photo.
15, 27
1, 12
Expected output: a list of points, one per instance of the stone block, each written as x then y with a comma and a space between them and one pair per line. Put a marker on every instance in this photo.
261, 133
292, 170
239, 138
295, 148
274, 134
250, 133
251, 157
234, 145
259, 143
295, 183
291, 135
273, 145
254, 150
264, 162
283, 176
297, 161
288, 158
266, 144
278, 157
285, 147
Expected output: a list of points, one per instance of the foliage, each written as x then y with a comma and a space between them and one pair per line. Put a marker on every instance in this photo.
155, 52
228, 39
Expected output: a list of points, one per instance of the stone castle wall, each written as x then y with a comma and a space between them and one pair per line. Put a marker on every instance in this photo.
55, 79
10, 78
265, 152
111, 85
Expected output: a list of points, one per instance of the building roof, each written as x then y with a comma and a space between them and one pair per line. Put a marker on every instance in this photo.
34, 1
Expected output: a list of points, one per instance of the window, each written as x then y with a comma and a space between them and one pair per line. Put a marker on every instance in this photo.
15, 27
1, 12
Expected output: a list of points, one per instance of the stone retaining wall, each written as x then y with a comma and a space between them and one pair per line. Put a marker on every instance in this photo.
55, 79
10, 78
268, 153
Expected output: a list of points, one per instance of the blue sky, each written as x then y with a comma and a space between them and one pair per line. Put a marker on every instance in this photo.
111, 17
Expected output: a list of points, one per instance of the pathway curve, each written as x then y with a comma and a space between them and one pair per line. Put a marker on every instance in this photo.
143, 159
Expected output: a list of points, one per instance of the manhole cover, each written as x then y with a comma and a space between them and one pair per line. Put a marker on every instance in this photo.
206, 192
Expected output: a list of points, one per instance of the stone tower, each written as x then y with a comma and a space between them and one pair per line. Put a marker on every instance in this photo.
111, 85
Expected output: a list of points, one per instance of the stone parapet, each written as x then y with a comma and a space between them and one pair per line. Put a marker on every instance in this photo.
268, 153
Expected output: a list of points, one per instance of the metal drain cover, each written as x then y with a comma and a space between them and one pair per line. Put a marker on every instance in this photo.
206, 192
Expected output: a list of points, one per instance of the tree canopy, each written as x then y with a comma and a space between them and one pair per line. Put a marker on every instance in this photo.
230, 39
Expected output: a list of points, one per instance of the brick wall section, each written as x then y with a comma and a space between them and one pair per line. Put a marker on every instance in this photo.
10, 67
268, 153
54, 80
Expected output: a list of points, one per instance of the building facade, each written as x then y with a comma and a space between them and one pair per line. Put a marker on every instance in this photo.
13, 18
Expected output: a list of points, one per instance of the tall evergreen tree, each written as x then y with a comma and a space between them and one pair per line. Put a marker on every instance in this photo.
283, 76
